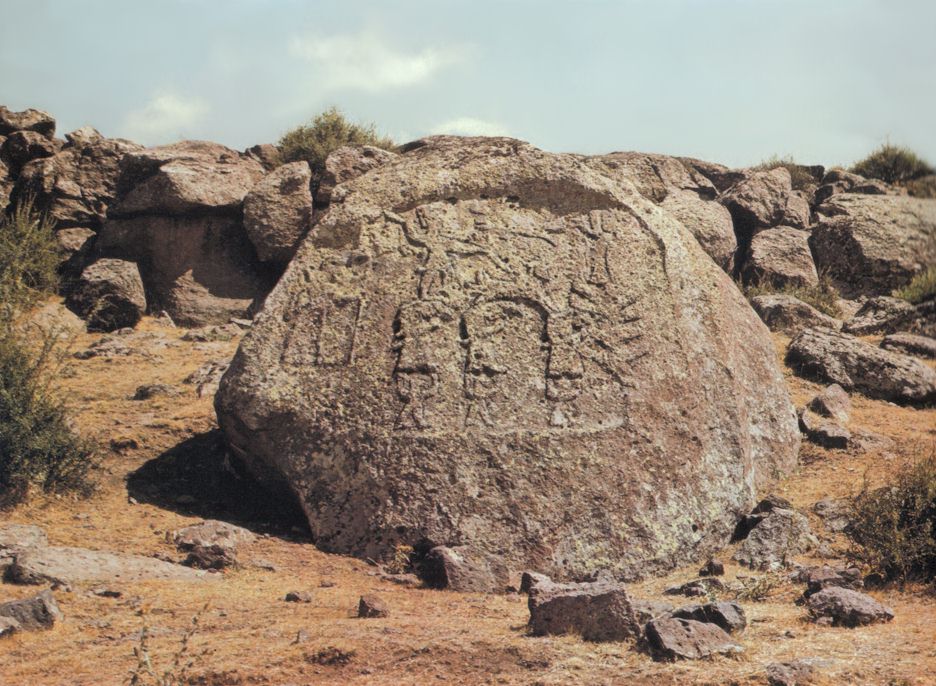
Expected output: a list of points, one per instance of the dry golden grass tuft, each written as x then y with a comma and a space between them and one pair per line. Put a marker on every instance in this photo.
249, 635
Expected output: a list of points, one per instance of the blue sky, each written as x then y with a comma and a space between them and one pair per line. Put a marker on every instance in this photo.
733, 81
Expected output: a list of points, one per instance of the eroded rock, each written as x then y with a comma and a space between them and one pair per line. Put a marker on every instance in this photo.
278, 212
598, 611
32, 614
780, 257
836, 357
772, 543
847, 608
727, 615
687, 639
109, 295
872, 244
791, 315
478, 316
910, 344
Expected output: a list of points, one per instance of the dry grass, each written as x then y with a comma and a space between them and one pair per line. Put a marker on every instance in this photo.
250, 636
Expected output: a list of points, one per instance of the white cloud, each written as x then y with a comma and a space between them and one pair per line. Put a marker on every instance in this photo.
165, 116
469, 126
364, 62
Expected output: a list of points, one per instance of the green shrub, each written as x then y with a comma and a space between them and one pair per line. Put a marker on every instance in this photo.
799, 174
893, 528
893, 164
823, 296
325, 133
922, 287
29, 257
37, 446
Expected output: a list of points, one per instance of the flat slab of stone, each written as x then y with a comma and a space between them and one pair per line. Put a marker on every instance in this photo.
781, 312
74, 565
686, 639
839, 358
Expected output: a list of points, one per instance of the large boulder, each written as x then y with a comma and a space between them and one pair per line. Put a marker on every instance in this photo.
780, 258
27, 120
278, 212
485, 345
872, 244
32, 614
911, 344
683, 192
786, 313
76, 185
109, 295
834, 357
185, 178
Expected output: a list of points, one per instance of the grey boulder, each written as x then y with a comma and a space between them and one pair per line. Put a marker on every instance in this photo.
478, 331
778, 537
786, 313
38, 612
597, 611
278, 212
109, 295
845, 607
686, 639
835, 357
910, 344
780, 257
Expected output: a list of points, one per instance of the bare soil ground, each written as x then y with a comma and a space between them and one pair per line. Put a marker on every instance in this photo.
246, 634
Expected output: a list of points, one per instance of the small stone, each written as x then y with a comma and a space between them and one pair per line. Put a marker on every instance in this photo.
713, 567
370, 606
796, 673
696, 587
38, 612
106, 593
298, 597
9, 626
149, 391
728, 615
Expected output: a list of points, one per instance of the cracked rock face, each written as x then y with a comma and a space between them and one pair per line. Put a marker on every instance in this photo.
500, 350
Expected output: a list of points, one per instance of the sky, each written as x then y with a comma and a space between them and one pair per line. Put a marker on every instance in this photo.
731, 81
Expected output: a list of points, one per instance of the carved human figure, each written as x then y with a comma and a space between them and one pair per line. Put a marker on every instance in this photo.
564, 367
425, 340
484, 364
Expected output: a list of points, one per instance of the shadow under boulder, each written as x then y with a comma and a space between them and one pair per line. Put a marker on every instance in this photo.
198, 477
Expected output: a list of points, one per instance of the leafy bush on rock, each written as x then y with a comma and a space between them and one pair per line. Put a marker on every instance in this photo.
893, 164
325, 133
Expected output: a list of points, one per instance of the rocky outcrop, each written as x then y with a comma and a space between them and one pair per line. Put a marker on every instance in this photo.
779, 258
844, 607
108, 295
781, 312
27, 120
76, 185
278, 212
680, 190
835, 357
24, 146
513, 353
872, 244
178, 214
597, 611
911, 344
